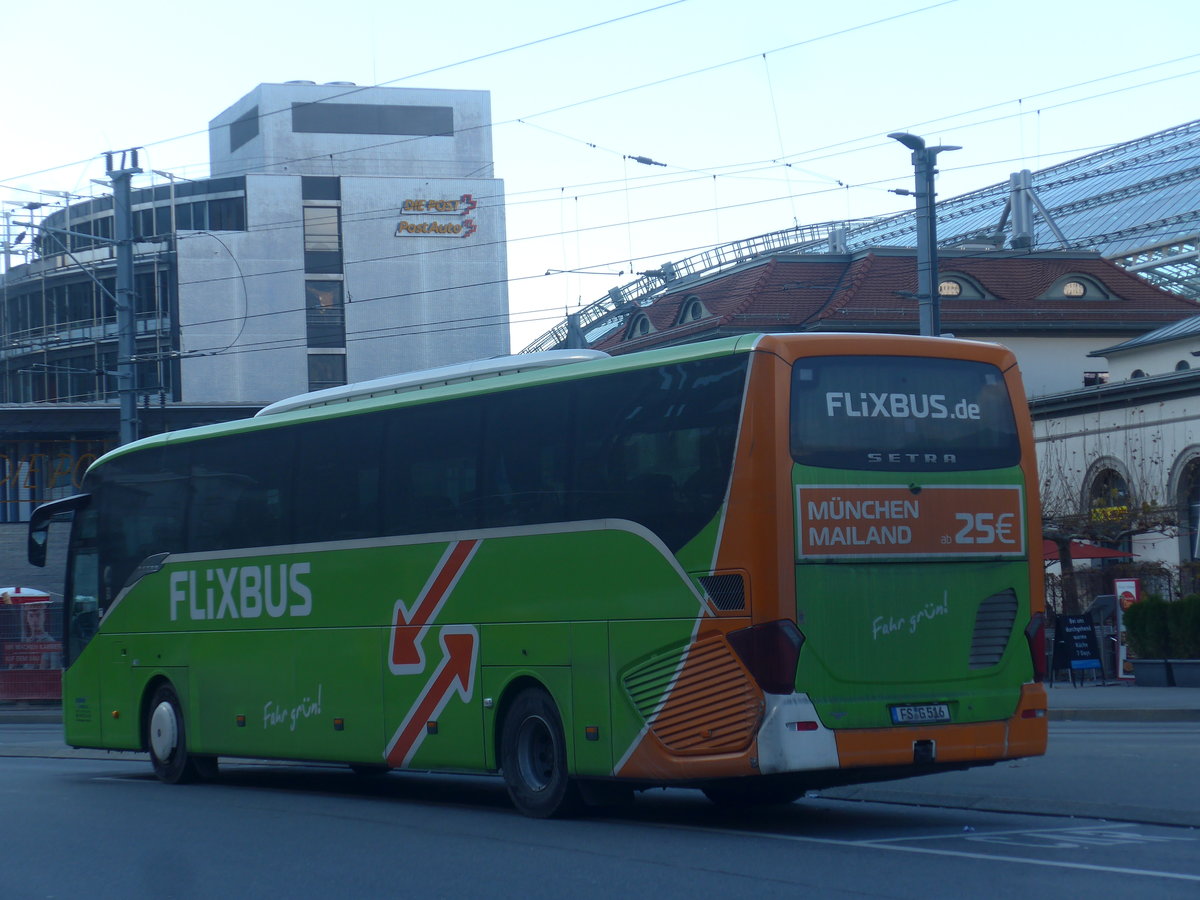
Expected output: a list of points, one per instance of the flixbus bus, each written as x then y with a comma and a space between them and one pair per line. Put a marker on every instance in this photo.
754, 566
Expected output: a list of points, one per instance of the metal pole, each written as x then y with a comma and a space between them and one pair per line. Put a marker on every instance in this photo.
923, 159
926, 245
126, 323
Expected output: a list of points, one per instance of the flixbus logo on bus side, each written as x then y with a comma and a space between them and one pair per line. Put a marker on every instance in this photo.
242, 592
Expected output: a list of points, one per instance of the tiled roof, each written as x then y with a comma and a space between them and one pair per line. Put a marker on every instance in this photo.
1184, 329
875, 291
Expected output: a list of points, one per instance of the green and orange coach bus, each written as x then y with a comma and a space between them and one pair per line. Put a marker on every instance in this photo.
753, 566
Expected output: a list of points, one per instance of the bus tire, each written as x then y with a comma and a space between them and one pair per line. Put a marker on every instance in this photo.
745, 793
533, 758
166, 739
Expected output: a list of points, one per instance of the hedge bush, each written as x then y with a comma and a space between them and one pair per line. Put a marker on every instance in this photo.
1147, 629
1160, 630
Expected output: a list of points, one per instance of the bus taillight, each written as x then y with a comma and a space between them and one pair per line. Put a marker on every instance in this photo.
1035, 634
770, 652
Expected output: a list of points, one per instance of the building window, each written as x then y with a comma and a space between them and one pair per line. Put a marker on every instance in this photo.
320, 187
1182, 366
372, 118
639, 327
957, 286
1109, 496
227, 214
1076, 287
326, 370
1188, 497
243, 129
322, 240
692, 310
1138, 373
325, 314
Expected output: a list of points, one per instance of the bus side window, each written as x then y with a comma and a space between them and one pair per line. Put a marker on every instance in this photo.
337, 481
525, 464
431, 467
238, 494
154, 483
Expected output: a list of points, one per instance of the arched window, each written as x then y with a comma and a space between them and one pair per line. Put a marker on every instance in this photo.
1182, 366
1109, 494
691, 310
639, 326
1108, 505
1076, 287
1186, 491
957, 286
1191, 498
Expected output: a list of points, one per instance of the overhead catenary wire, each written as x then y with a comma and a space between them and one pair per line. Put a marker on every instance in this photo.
709, 207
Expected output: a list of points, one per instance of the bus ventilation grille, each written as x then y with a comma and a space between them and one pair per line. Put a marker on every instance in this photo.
727, 592
707, 704
993, 628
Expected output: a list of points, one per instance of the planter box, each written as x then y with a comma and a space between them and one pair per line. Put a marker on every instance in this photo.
1152, 673
1186, 672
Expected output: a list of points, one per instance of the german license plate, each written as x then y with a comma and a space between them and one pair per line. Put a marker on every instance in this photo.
921, 713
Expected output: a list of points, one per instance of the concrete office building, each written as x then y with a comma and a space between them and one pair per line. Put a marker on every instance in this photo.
345, 233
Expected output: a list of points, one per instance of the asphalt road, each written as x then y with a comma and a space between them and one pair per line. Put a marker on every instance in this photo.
1100, 815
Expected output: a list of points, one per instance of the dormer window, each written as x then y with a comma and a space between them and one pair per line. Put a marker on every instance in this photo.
956, 286
639, 326
692, 310
1076, 287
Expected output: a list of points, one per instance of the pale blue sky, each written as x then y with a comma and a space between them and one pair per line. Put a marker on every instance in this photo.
723, 93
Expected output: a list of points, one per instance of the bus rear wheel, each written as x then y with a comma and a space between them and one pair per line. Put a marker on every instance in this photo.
533, 758
166, 739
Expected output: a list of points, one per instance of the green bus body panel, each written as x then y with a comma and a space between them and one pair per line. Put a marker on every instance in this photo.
893, 630
876, 641
322, 685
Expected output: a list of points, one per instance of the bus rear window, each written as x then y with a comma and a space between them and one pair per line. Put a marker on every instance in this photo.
901, 413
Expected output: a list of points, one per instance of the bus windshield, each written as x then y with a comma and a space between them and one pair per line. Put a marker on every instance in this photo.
890, 413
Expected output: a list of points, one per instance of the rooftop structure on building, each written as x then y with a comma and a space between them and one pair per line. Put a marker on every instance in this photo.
1136, 203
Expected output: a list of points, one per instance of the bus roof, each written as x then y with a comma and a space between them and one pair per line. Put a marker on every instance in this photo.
486, 376
424, 379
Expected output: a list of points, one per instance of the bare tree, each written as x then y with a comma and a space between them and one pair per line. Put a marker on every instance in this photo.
1103, 486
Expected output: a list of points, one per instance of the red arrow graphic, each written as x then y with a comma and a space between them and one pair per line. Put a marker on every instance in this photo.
409, 624
454, 675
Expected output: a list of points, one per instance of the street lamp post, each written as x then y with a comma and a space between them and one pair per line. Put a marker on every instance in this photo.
923, 160
121, 175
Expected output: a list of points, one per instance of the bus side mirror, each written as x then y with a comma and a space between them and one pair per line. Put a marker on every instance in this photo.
39, 525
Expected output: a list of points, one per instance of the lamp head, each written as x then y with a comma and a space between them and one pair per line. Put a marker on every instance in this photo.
911, 141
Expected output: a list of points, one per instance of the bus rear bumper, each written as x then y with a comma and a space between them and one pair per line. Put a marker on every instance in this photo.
792, 739
1022, 735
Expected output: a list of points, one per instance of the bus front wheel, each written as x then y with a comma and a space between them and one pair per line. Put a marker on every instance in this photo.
533, 757
166, 739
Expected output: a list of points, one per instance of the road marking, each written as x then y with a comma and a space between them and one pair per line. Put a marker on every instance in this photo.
959, 854
1103, 835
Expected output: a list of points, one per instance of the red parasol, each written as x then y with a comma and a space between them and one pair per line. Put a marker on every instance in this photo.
1080, 550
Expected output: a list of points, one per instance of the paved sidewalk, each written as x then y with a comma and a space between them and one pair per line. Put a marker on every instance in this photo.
1094, 702
1123, 702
